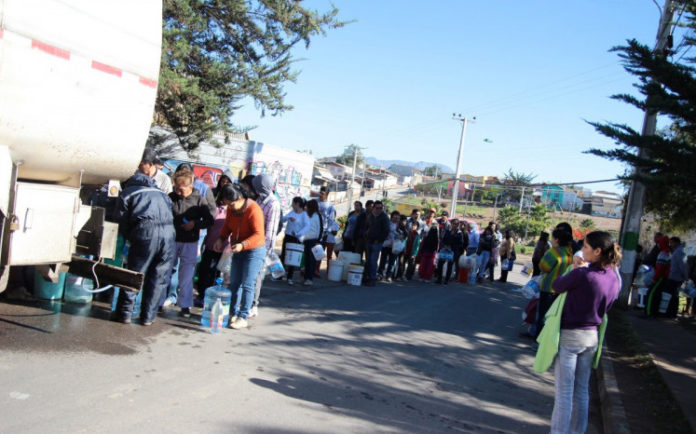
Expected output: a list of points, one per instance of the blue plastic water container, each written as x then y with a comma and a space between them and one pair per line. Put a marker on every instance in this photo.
76, 289
211, 295
48, 290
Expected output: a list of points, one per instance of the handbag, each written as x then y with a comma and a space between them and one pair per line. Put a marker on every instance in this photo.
550, 336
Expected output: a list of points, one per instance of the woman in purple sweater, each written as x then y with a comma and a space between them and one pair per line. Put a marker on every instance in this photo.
591, 291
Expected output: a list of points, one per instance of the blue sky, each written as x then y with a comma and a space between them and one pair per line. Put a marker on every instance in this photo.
531, 72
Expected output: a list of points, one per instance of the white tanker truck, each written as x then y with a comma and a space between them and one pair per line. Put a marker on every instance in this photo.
78, 81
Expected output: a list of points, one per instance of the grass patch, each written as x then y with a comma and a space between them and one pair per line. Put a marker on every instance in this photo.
649, 403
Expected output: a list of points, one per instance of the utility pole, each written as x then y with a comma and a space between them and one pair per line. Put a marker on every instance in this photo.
458, 173
352, 180
521, 199
636, 196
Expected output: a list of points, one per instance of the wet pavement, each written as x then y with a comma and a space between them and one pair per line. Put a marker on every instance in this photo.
394, 358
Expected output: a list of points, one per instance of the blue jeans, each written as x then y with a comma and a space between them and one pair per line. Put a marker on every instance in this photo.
245, 267
483, 259
371, 256
572, 372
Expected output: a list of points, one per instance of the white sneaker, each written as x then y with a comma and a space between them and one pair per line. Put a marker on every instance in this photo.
254, 312
239, 323
232, 319
168, 302
308, 282
291, 282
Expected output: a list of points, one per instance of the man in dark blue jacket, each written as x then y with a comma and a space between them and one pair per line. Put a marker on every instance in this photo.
145, 220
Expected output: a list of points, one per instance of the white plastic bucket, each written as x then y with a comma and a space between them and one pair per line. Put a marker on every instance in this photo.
665, 302
348, 258
355, 274
293, 254
335, 271
318, 252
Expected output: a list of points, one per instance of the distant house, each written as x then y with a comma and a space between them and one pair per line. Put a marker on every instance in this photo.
607, 204
338, 170
464, 189
571, 201
552, 195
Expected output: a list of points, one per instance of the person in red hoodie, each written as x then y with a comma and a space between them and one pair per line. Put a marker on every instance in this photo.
662, 268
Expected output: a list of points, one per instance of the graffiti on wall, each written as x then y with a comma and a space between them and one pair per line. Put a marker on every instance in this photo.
288, 180
208, 174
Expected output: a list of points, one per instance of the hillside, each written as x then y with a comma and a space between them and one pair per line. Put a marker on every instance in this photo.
419, 165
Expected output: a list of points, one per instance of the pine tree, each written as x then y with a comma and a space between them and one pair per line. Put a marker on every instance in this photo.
668, 88
217, 52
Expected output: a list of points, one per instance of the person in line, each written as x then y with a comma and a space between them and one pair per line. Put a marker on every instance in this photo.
328, 221
474, 238
485, 246
557, 261
385, 253
507, 253
398, 236
191, 214
146, 222
351, 223
454, 238
247, 188
207, 269
263, 186
360, 233
493, 259
295, 230
412, 249
428, 249
429, 220
416, 217
591, 291
651, 257
377, 232
443, 224
204, 190
312, 238
678, 274
662, 270
244, 229
540, 249
148, 167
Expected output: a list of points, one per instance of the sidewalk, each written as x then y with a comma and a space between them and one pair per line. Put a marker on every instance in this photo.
673, 348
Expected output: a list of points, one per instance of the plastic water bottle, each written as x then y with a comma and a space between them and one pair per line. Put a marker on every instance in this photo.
275, 266
212, 295
77, 289
217, 317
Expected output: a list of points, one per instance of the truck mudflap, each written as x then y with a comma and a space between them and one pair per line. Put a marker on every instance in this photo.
106, 274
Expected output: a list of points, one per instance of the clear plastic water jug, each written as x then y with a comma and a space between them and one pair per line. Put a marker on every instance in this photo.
77, 289
274, 265
217, 317
212, 294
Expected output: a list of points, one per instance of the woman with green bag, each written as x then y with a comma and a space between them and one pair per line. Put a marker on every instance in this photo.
590, 292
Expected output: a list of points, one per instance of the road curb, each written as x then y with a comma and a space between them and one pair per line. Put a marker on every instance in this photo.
614, 418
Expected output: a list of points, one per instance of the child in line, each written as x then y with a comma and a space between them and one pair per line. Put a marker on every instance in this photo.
427, 253
297, 227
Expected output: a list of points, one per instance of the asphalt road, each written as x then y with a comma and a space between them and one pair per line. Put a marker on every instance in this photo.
394, 358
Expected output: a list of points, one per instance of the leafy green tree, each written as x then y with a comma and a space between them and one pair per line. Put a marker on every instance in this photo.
349, 154
432, 171
532, 224
667, 86
217, 52
587, 224
517, 179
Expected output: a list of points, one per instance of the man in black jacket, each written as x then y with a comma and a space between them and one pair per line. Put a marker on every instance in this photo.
377, 232
361, 229
145, 220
